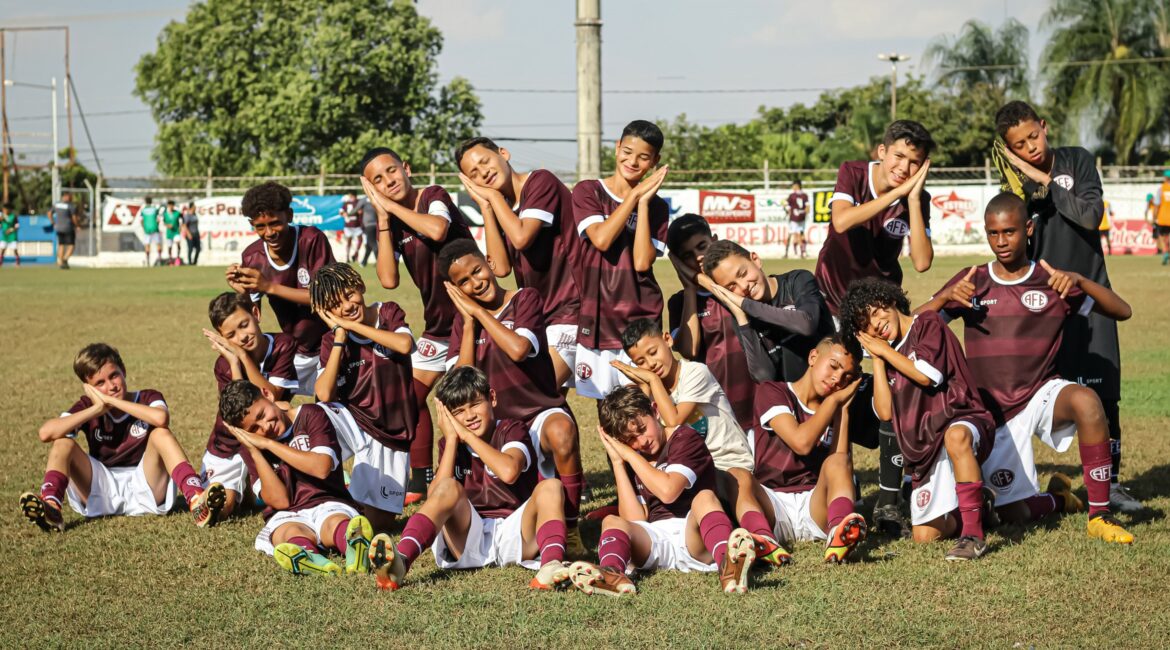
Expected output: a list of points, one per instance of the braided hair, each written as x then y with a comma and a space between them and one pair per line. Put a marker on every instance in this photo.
330, 284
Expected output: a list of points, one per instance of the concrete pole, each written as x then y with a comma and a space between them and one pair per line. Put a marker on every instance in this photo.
588, 89
56, 169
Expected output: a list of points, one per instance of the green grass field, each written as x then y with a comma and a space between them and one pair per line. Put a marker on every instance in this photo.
161, 582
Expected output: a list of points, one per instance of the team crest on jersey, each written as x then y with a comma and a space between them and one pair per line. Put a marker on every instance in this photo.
923, 499
1065, 181
300, 442
1001, 478
138, 430
510, 324
584, 371
382, 351
1034, 300
426, 348
1101, 473
303, 276
897, 228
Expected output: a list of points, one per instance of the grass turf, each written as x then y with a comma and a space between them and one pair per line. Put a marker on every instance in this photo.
158, 580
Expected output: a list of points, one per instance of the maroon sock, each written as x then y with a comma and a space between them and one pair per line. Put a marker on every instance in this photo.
839, 509
1096, 462
185, 477
574, 484
305, 543
971, 508
54, 486
715, 528
418, 534
550, 539
1041, 505
339, 541
756, 523
422, 448
613, 550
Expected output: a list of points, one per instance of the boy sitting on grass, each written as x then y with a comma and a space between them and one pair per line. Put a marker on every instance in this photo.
133, 462
485, 506
296, 461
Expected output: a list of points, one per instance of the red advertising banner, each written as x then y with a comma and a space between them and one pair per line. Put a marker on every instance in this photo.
727, 207
1131, 237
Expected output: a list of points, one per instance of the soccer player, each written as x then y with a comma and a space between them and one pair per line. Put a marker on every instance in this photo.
149, 217
132, 461
245, 352
501, 332
1063, 191
801, 445
1103, 227
1013, 312
365, 370
797, 215
295, 459
623, 221
1160, 207
63, 214
487, 506
413, 225
779, 318
352, 226
921, 383
280, 264
191, 234
702, 328
669, 516
9, 224
173, 223
529, 228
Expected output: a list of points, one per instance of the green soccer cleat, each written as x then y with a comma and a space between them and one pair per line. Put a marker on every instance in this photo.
357, 545
302, 562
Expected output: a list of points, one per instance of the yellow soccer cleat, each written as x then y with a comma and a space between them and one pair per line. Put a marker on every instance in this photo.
1106, 528
1061, 485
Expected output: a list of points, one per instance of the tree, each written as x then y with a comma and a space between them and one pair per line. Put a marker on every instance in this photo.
270, 87
978, 55
31, 191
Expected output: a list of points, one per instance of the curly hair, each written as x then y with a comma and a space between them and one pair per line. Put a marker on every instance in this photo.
1013, 113
267, 198
455, 250
330, 284
867, 294
235, 400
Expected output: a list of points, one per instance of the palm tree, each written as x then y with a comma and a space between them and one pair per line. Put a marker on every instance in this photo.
979, 55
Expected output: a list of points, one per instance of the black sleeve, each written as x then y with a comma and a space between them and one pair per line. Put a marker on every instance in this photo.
1083, 204
799, 289
760, 365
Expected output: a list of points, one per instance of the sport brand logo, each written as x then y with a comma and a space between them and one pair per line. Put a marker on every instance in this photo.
303, 276
1034, 300
1002, 478
897, 228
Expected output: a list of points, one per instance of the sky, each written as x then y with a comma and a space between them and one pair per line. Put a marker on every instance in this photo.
791, 49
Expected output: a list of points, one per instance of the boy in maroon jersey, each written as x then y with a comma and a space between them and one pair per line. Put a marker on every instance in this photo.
414, 225
501, 332
487, 506
351, 226
702, 328
921, 383
669, 516
296, 461
1014, 312
244, 352
366, 373
624, 222
804, 473
797, 215
133, 462
529, 227
280, 265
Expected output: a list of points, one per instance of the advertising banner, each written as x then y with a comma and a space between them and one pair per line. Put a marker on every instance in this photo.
727, 207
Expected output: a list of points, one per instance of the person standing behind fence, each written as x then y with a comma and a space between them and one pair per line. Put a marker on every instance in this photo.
797, 214
369, 227
64, 217
9, 224
173, 220
149, 218
191, 234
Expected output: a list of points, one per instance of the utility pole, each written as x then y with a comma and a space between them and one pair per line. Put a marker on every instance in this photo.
588, 89
4, 116
894, 58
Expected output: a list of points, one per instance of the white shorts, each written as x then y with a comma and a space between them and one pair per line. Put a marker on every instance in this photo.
1010, 469
794, 520
796, 227
232, 473
490, 542
351, 233
379, 474
668, 547
430, 354
545, 464
119, 491
307, 367
563, 340
936, 496
153, 238
8, 246
595, 378
177, 239
313, 518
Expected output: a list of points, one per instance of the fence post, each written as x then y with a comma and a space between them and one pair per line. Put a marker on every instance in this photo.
321, 181
987, 169
432, 173
210, 183
94, 218
767, 177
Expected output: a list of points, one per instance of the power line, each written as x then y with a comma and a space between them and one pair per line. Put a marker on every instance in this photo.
639, 91
137, 111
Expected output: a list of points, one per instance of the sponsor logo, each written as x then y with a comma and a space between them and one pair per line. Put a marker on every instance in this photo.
897, 228
953, 205
385, 492
923, 499
1001, 478
978, 303
426, 348
584, 371
99, 436
1101, 473
1065, 181
303, 276
406, 240
1034, 300
139, 429
727, 207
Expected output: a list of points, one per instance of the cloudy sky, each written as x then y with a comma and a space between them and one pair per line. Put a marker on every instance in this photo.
529, 44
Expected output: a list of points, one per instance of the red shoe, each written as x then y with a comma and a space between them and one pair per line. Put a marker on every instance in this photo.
601, 513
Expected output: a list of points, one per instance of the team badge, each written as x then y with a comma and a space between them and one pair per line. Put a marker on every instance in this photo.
1001, 478
584, 371
923, 499
510, 324
303, 276
1065, 181
426, 348
1101, 473
138, 430
1034, 300
897, 228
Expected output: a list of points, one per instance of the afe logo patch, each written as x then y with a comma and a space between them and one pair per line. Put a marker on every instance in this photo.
303, 276
897, 228
923, 499
1065, 181
1001, 478
426, 348
584, 371
1101, 473
1034, 300
138, 430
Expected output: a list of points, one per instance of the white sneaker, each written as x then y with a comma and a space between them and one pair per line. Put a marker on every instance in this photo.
1120, 500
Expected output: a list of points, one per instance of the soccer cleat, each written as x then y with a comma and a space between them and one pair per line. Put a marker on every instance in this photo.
1104, 527
1120, 500
554, 575
42, 512
1061, 485
205, 506
989, 515
733, 570
574, 545
388, 566
357, 545
303, 562
967, 548
412, 498
844, 537
888, 519
604, 581
601, 512
770, 551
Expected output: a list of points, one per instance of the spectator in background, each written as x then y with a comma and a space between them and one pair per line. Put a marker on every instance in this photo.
370, 226
173, 220
191, 233
64, 217
149, 217
797, 214
8, 227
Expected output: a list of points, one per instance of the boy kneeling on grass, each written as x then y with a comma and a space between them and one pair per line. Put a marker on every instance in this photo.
296, 461
134, 461
485, 506
669, 516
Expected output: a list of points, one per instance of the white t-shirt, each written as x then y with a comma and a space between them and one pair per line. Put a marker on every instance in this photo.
712, 417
